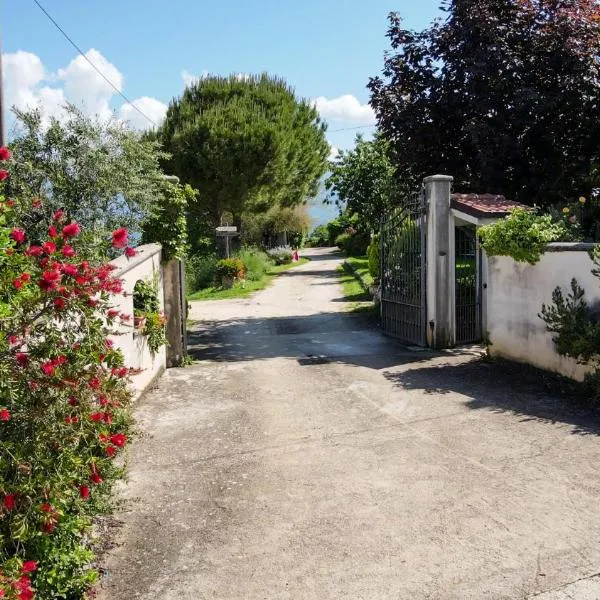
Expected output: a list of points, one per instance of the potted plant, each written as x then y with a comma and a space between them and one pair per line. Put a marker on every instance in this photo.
228, 270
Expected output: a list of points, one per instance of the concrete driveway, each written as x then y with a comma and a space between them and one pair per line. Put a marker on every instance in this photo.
305, 456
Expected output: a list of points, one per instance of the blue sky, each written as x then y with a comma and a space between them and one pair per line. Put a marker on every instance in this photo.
326, 49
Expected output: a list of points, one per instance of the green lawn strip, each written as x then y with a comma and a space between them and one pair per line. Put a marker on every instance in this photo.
354, 293
360, 264
244, 288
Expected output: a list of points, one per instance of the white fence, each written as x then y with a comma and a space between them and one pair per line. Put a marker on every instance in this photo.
514, 297
145, 266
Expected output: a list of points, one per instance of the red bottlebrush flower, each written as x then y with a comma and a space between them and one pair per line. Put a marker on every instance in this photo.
34, 251
103, 400
29, 566
71, 230
93, 302
118, 439
45, 507
25, 277
72, 420
60, 360
103, 438
49, 527
58, 214
84, 492
13, 339
3, 174
49, 247
94, 383
73, 401
130, 252
10, 203
107, 418
68, 251
59, 303
48, 368
51, 275
96, 478
97, 417
22, 359
18, 284
125, 317
18, 235
69, 269
112, 313
52, 231
46, 286
119, 238
4, 414
33, 385
109, 343
9, 501
36, 203
44, 262
4, 153
110, 451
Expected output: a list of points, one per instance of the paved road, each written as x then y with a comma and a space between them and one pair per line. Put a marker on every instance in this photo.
307, 457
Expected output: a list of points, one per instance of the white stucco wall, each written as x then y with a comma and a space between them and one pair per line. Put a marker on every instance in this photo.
144, 266
514, 297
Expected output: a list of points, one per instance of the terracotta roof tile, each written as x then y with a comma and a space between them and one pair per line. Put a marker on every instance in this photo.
483, 205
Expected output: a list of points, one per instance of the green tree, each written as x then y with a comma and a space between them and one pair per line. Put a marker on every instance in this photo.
363, 179
502, 94
246, 144
101, 174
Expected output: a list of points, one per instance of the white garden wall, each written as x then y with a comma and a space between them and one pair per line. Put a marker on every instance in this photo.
144, 266
514, 297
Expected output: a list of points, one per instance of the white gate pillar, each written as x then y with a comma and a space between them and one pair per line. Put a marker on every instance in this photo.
440, 264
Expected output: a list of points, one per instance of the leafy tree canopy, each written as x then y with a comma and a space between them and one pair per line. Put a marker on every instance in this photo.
363, 179
246, 144
502, 94
102, 175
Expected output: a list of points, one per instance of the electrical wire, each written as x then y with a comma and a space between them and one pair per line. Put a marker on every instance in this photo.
112, 85
350, 128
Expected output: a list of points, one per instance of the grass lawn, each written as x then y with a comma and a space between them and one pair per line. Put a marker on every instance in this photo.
244, 288
361, 266
354, 293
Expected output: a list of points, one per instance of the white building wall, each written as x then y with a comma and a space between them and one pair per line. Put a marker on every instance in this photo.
514, 297
144, 266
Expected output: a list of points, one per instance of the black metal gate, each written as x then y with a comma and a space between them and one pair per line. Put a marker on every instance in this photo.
467, 297
403, 271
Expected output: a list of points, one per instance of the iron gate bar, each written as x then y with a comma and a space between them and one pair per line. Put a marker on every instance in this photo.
467, 300
403, 271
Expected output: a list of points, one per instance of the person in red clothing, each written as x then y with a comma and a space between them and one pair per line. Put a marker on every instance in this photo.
295, 256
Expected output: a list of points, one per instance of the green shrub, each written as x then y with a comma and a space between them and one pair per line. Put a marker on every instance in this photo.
523, 235
230, 268
353, 244
200, 271
374, 256
319, 238
256, 263
145, 297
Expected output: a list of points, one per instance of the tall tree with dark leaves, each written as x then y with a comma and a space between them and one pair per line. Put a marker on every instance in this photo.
501, 94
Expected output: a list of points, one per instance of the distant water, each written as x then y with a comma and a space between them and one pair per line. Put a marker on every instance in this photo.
322, 213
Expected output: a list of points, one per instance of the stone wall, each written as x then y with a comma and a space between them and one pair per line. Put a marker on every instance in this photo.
514, 297
145, 266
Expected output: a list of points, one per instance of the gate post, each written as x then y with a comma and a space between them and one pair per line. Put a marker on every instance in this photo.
439, 319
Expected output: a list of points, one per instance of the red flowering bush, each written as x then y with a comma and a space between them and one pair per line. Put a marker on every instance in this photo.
63, 404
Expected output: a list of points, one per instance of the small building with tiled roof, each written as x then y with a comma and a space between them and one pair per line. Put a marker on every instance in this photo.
480, 209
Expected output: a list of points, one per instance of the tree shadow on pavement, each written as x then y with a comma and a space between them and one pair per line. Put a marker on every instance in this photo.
505, 387
332, 337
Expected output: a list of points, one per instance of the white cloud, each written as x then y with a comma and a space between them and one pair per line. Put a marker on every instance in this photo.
345, 108
151, 107
29, 85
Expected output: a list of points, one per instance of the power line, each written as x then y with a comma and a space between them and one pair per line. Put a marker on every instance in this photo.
347, 128
112, 85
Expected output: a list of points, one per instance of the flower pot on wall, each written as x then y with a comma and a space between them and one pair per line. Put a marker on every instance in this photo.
139, 322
